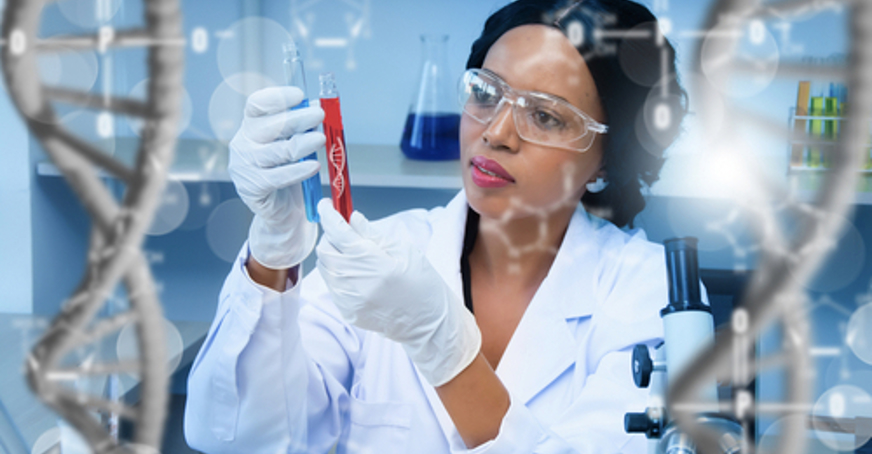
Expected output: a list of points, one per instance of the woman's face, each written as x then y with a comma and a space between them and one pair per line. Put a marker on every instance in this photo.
534, 58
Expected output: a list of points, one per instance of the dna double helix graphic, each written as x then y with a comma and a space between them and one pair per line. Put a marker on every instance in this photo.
337, 160
118, 227
789, 255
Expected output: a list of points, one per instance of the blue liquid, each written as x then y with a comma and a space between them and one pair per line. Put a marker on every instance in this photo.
432, 137
312, 192
312, 185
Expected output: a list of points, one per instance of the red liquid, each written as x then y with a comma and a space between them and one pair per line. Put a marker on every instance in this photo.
337, 162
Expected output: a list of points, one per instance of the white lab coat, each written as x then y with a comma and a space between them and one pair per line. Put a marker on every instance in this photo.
282, 372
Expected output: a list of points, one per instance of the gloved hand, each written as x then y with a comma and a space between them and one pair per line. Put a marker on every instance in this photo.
263, 166
380, 283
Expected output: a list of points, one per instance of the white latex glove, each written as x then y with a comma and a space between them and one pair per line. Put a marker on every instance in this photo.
264, 168
382, 284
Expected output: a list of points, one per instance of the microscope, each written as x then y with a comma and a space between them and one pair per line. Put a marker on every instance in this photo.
688, 326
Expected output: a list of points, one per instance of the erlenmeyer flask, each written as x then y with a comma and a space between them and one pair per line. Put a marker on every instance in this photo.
433, 126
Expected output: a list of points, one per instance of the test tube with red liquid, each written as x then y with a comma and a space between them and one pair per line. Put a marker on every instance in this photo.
337, 162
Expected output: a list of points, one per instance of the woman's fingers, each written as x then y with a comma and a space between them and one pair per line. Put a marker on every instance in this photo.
272, 100
281, 125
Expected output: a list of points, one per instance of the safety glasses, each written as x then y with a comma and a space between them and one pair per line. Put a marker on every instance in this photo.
540, 118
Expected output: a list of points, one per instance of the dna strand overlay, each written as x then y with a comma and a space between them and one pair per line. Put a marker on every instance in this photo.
118, 227
337, 160
794, 237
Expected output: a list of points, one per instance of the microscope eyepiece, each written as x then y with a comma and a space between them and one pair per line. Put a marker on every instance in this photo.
682, 268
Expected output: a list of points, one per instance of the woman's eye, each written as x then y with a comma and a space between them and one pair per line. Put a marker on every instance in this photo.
547, 120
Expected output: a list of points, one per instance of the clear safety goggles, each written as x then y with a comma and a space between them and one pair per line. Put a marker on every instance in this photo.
540, 118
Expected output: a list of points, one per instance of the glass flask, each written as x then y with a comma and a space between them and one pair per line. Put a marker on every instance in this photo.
433, 125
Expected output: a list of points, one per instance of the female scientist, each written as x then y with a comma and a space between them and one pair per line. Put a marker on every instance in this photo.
501, 323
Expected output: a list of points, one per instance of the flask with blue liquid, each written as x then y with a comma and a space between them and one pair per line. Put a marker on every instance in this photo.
433, 125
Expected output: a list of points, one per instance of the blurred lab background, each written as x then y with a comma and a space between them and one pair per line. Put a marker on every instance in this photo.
375, 49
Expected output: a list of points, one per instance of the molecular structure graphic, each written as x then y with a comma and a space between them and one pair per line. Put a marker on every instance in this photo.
306, 25
64, 354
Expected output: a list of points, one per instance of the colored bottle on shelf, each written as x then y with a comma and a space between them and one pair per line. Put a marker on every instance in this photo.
816, 127
831, 127
798, 149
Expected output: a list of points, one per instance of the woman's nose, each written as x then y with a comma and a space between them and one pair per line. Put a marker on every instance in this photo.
501, 132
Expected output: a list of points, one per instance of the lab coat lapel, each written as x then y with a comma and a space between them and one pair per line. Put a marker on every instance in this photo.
543, 345
446, 242
443, 252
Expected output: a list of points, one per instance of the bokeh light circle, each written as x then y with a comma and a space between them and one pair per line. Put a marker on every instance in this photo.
758, 59
50, 68
72, 441
659, 122
127, 345
172, 211
47, 441
637, 60
89, 13
859, 335
140, 92
85, 124
70, 69
769, 442
79, 69
227, 228
204, 197
844, 403
226, 104
252, 34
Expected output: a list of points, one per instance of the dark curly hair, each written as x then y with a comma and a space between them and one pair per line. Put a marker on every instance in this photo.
644, 103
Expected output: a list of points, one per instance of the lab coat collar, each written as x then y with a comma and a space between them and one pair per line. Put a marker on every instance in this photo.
543, 345
446, 242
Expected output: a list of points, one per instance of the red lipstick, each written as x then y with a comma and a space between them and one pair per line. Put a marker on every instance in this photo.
487, 173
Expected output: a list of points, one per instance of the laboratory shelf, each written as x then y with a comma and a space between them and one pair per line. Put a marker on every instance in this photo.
370, 165
805, 180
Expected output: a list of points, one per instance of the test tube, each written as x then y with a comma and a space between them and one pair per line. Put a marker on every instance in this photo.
296, 77
337, 162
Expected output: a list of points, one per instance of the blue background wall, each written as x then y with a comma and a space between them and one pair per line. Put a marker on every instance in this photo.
15, 222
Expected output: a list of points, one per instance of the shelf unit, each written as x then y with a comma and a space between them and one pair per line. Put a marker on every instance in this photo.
805, 180
382, 166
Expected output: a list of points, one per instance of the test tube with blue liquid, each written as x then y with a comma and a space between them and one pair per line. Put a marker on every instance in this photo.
296, 77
